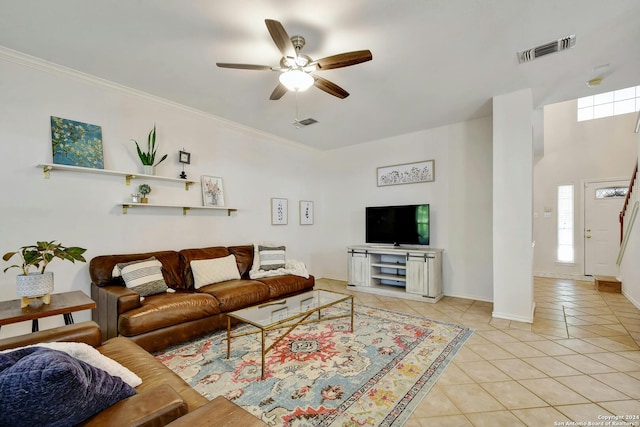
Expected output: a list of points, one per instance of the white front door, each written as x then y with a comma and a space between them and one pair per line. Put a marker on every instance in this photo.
602, 205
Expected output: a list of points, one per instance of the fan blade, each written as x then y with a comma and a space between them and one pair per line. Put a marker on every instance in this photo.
330, 87
278, 92
280, 38
243, 66
343, 59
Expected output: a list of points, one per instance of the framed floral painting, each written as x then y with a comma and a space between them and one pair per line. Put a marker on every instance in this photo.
76, 143
212, 191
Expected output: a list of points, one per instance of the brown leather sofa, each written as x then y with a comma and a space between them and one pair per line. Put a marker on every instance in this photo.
162, 397
162, 320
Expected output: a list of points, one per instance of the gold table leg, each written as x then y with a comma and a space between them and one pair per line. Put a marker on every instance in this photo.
263, 337
228, 337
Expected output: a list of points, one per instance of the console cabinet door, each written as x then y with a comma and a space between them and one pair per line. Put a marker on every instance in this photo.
359, 268
417, 274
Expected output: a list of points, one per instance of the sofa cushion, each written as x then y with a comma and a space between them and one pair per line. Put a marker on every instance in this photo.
51, 388
210, 271
143, 277
271, 257
244, 258
188, 255
162, 310
287, 284
237, 294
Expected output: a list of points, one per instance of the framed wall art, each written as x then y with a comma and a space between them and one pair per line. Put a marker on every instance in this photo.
212, 191
184, 157
279, 211
306, 212
406, 173
76, 143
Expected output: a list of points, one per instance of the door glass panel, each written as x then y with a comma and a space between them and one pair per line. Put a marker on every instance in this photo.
609, 192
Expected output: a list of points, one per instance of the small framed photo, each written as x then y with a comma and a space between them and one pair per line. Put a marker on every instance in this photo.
279, 211
212, 192
306, 212
184, 157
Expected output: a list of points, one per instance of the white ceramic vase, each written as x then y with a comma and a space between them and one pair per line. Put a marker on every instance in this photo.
149, 170
34, 284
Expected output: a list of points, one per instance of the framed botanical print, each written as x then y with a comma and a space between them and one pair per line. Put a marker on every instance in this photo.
306, 212
279, 211
407, 173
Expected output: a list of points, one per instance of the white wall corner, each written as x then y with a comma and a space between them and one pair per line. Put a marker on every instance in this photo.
524, 319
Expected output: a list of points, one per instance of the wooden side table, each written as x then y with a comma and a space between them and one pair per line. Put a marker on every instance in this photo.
64, 303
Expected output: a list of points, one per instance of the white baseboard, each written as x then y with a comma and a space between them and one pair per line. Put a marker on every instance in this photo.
567, 276
528, 319
631, 299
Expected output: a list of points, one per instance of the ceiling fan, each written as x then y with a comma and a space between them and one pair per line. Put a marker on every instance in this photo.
296, 69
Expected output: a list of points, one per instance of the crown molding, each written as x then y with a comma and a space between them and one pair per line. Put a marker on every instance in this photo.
23, 59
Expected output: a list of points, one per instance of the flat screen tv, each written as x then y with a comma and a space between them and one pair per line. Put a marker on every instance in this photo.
398, 225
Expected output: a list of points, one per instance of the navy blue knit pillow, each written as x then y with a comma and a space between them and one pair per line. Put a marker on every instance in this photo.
44, 387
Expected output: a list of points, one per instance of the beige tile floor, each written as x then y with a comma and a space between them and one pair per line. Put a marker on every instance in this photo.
578, 362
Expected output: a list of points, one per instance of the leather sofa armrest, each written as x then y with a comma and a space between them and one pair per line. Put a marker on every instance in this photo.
85, 332
219, 412
153, 407
111, 302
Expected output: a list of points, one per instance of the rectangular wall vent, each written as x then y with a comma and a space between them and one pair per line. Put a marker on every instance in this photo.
304, 122
547, 48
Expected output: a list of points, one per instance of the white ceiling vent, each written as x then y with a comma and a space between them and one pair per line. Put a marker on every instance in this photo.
547, 48
304, 122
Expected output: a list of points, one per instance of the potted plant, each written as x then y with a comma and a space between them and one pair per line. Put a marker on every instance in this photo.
39, 283
144, 189
148, 157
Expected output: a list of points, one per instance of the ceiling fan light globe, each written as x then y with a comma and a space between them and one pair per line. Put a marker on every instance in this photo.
296, 80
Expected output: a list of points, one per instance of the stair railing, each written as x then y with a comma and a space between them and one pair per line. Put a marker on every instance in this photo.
628, 213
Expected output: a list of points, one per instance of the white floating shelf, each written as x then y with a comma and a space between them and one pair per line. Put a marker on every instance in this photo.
128, 176
125, 206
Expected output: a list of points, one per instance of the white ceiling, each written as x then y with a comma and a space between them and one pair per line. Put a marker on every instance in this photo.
435, 62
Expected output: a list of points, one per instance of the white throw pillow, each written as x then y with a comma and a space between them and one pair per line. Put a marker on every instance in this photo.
210, 271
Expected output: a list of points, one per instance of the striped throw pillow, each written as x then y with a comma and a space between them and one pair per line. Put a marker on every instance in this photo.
271, 257
144, 277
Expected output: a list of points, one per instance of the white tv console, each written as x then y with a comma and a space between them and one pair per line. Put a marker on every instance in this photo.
400, 271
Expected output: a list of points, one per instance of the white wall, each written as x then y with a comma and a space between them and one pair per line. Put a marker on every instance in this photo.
80, 209
575, 152
512, 206
459, 198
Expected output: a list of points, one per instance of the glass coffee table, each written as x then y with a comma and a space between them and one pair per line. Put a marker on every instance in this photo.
287, 314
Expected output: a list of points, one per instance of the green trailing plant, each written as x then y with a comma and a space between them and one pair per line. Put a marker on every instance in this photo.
148, 157
144, 189
38, 256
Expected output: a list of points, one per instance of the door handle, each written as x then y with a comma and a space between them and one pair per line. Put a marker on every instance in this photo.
588, 230
588, 236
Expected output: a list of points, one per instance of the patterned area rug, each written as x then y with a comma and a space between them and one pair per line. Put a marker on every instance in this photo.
324, 375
